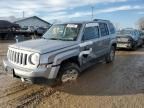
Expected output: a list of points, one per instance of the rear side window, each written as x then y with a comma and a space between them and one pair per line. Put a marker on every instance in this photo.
136, 33
112, 29
91, 33
104, 29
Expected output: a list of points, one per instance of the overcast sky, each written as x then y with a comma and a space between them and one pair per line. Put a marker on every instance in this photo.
123, 12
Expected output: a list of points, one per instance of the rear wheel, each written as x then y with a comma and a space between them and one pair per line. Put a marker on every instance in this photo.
68, 72
111, 55
141, 46
134, 47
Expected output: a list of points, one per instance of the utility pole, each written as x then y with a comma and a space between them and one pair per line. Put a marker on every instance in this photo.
23, 14
92, 9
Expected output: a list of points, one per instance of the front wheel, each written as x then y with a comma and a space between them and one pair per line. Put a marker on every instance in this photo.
134, 47
69, 72
111, 55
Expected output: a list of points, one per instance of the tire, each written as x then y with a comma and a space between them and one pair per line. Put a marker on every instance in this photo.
141, 46
68, 72
134, 47
111, 55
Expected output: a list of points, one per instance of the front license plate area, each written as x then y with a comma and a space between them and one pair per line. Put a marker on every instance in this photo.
10, 71
122, 45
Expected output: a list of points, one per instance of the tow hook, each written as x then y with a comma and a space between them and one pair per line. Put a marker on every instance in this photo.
22, 79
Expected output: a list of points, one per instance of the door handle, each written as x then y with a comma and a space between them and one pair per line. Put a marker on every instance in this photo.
87, 52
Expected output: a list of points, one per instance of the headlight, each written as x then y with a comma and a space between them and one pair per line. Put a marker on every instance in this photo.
35, 58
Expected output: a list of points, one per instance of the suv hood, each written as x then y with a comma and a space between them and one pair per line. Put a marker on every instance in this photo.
43, 45
135, 38
124, 36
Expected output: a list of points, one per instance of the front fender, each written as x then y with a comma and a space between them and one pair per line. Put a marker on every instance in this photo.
65, 55
113, 41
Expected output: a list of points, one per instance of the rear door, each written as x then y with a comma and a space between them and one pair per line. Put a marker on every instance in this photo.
105, 38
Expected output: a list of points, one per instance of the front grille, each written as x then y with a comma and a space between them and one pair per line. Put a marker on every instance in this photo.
123, 39
17, 57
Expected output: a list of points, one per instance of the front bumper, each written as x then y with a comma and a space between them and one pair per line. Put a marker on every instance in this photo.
37, 75
124, 45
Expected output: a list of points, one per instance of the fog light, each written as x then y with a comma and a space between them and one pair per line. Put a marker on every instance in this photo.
49, 65
45, 65
129, 45
22, 79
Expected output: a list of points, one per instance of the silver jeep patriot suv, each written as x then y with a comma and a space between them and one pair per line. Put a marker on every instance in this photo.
63, 52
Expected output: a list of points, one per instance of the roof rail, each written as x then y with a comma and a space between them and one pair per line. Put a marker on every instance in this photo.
100, 20
128, 29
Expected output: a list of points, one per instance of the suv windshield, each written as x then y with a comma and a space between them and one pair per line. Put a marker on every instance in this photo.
67, 32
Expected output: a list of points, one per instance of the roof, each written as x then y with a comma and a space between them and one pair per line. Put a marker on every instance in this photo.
6, 24
30, 18
84, 22
130, 29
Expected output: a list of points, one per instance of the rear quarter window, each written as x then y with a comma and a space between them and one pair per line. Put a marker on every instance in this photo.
103, 29
111, 28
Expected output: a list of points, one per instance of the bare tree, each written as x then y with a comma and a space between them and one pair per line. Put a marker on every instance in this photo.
117, 25
141, 23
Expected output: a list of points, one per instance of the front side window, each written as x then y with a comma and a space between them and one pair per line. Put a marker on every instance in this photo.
68, 32
91, 33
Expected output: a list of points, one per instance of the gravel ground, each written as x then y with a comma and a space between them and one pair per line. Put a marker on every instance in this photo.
116, 85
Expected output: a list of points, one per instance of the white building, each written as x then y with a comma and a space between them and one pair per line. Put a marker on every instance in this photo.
32, 22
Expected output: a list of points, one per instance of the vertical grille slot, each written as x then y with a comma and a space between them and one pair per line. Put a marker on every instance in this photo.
25, 59
21, 58
18, 57
13, 56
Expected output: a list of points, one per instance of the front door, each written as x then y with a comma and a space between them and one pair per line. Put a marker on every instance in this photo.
90, 43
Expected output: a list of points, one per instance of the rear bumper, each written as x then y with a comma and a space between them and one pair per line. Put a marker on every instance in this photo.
35, 76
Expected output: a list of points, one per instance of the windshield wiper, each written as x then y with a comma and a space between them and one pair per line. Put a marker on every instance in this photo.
59, 39
43, 38
66, 39
54, 38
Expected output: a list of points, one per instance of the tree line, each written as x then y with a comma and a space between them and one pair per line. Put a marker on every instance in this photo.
141, 23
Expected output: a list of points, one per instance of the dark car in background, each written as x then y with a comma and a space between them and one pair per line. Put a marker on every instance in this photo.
41, 30
142, 35
129, 38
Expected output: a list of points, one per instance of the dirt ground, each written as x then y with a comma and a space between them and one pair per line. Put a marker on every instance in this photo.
116, 85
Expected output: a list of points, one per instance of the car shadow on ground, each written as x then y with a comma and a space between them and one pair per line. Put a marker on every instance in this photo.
131, 50
108, 79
